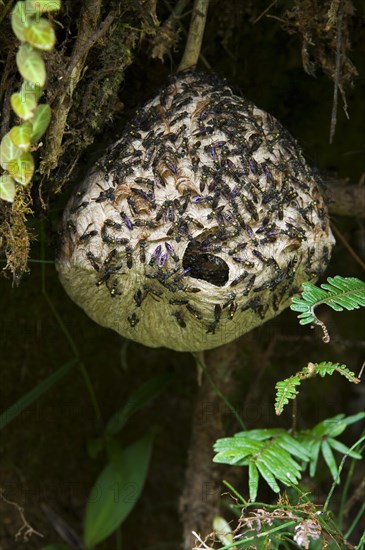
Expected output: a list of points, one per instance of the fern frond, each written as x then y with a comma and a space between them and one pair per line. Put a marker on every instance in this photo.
285, 390
339, 293
327, 367
272, 454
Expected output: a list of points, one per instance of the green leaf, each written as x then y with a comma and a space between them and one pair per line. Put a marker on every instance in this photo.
25, 101
8, 151
234, 449
20, 135
40, 35
22, 168
138, 399
42, 6
341, 448
222, 530
285, 390
23, 109
253, 480
328, 368
268, 476
24, 402
40, 122
7, 188
116, 491
338, 293
329, 459
260, 434
314, 457
31, 65
330, 426
282, 464
293, 446
354, 418
19, 20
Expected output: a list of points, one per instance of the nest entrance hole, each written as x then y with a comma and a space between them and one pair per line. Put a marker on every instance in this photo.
205, 266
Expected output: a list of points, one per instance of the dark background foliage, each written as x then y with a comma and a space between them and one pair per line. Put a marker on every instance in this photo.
43, 453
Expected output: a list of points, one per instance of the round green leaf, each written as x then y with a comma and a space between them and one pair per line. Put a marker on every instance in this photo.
36, 6
8, 151
22, 168
30, 89
31, 65
7, 188
23, 109
42, 116
19, 20
40, 35
25, 101
21, 135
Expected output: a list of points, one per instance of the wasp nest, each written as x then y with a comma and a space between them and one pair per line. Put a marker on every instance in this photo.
199, 224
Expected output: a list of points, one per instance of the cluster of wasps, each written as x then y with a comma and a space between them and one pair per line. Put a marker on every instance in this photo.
204, 143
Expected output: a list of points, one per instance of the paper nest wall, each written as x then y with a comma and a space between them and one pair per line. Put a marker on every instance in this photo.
198, 225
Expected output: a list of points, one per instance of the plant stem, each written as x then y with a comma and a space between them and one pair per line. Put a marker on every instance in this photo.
195, 36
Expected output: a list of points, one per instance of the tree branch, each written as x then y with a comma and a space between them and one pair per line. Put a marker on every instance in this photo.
195, 36
346, 200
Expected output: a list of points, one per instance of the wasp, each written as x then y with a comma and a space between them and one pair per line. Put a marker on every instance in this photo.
172, 252
107, 195
93, 260
179, 318
133, 320
113, 224
240, 278
114, 290
126, 220
176, 302
249, 286
129, 253
154, 293
109, 239
197, 314
139, 297
142, 251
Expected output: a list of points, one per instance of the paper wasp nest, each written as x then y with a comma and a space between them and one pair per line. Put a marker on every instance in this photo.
199, 223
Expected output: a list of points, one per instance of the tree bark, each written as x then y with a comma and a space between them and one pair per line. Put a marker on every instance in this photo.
200, 500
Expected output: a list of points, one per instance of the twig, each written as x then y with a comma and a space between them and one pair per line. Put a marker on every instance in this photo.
7, 7
90, 13
84, 50
264, 12
337, 72
26, 530
338, 234
195, 36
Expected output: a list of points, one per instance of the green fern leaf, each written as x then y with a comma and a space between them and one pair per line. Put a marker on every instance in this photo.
321, 438
327, 367
285, 390
272, 453
339, 293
